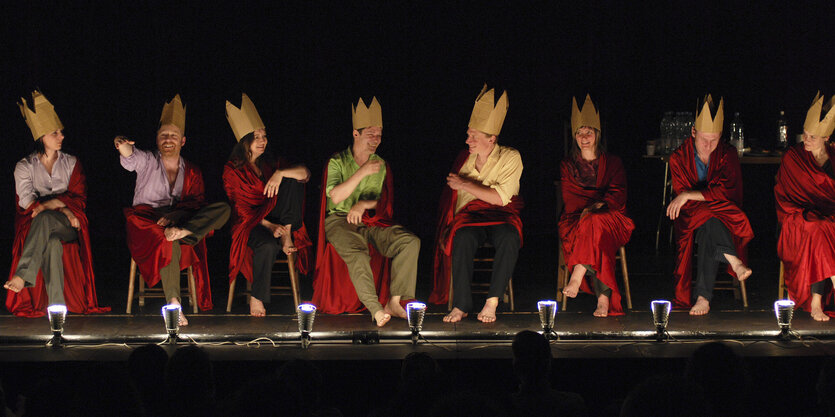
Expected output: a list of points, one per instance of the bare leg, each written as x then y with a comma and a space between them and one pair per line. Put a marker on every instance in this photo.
15, 284
573, 286
740, 269
175, 233
256, 307
394, 309
702, 306
381, 317
488, 313
454, 316
176, 301
602, 306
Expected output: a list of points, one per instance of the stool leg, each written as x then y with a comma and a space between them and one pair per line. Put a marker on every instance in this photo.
781, 284
449, 303
625, 278
132, 277
141, 291
231, 295
744, 294
510, 291
192, 290
294, 277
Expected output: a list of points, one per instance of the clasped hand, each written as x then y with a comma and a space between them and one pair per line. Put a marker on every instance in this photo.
456, 182
170, 218
674, 209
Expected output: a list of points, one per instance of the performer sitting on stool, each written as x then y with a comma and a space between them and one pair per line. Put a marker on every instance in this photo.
51, 194
593, 224
169, 216
805, 194
267, 203
707, 181
481, 203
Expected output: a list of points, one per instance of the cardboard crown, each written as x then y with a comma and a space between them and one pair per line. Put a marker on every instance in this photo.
486, 116
174, 113
363, 116
42, 119
588, 117
243, 120
705, 122
816, 125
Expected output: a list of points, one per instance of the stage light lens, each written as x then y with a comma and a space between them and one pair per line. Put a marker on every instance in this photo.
661, 313
784, 310
306, 314
547, 314
415, 313
171, 315
57, 314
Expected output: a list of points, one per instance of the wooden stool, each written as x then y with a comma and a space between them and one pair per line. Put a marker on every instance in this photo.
292, 289
562, 277
157, 292
484, 287
735, 285
781, 283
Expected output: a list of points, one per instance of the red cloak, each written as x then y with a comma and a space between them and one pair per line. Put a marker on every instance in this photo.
150, 250
79, 280
805, 197
474, 213
723, 200
249, 206
594, 239
333, 291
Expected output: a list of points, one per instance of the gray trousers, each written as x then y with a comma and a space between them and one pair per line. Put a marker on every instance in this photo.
351, 243
42, 250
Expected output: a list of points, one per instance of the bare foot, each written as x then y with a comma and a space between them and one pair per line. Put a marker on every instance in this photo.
183, 321
573, 286
817, 309
15, 284
602, 306
256, 307
394, 309
701, 307
381, 317
488, 313
287, 241
454, 316
740, 269
175, 233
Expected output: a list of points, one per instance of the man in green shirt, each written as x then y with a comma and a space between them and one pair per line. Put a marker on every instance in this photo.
355, 183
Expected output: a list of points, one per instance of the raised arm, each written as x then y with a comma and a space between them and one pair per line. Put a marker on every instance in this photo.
337, 191
298, 172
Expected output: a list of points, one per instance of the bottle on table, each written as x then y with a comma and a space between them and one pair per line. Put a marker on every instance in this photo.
737, 134
782, 131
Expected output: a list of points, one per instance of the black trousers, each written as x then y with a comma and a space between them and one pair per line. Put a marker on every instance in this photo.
599, 287
265, 247
821, 287
467, 240
714, 241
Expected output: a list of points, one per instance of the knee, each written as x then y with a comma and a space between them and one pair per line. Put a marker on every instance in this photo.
411, 241
269, 246
53, 244
508, 241
223, 209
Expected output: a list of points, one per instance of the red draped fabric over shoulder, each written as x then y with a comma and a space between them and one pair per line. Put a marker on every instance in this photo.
723, 201
594, 239
805, 197
79, 280
249, 206
475, 213
333, 291
151, 251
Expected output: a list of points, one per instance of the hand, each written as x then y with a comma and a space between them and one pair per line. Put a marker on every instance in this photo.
71, 217
456, 182
118, 141
170, 218
674, 209
371, 167
355, 214
53, 204
271, 187
37, 210
591, 209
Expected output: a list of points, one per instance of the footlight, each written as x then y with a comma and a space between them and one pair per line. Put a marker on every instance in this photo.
57, 314
784, 310
547, 317
415, 312
306, 313
660, 317
171, 315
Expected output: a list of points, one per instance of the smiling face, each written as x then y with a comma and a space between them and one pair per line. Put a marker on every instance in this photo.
705, 143
170, 140
480, 142
53, 141
586, 138
368, 140
258, 145
813, 143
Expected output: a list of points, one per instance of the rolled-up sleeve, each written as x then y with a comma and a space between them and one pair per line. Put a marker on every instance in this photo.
137, 161
507, 180
334, 175
24, 186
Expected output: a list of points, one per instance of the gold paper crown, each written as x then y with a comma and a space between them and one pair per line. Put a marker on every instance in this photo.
706, 123
363, 116
588, 117
244, 120
42, 119
174, 113
486, 117
814, 124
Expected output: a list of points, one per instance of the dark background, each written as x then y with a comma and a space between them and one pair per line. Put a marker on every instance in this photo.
109, 67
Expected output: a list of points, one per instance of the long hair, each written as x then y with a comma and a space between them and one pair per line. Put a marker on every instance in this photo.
574, 149
241, 153
39, 147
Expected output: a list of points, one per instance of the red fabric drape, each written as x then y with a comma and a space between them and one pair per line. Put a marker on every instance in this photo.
333, 291
723, 200
249, 206
805, 197
594, 239
475, 213
151, 251
79, 280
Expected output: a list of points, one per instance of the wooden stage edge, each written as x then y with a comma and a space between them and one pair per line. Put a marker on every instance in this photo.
232, 337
